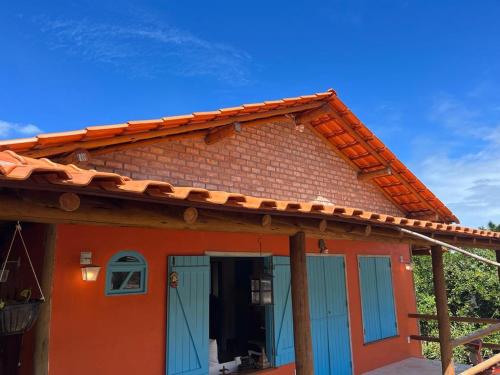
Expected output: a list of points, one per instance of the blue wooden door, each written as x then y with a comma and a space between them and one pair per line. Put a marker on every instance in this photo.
329, 315
188, 314
282, 333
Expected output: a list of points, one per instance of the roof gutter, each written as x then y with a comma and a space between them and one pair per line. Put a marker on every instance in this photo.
448, 246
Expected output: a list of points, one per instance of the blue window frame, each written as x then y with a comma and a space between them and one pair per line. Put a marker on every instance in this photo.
377, 298
126, 273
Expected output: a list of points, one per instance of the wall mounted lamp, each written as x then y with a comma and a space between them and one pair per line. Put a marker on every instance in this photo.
90, 271
408, 264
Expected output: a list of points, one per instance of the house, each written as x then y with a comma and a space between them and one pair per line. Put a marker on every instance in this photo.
180, 244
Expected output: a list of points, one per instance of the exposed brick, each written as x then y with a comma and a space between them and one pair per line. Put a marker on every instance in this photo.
269, 161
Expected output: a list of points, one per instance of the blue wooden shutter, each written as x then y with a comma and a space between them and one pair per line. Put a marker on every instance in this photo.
284, 351
379, 319
188, 316
318, 314
338, 316
386, 306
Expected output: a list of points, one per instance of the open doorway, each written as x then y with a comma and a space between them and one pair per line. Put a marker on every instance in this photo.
238, 325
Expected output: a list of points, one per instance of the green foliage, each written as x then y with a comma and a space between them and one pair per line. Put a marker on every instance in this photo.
473, 290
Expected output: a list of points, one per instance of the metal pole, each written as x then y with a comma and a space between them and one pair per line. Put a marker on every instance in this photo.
448, 246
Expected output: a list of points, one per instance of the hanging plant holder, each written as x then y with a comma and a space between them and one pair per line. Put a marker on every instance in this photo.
17, 317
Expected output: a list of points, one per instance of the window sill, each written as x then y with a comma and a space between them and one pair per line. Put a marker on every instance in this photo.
380, 340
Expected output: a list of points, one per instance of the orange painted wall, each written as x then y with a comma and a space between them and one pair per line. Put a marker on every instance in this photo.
95, 334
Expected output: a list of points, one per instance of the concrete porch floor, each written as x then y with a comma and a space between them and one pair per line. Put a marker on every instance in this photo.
414, 366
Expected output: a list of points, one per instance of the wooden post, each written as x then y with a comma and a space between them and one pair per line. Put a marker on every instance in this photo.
42, 328
498, 260
442, 311
300, 305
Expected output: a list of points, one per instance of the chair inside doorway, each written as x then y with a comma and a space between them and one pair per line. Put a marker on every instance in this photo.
237, 325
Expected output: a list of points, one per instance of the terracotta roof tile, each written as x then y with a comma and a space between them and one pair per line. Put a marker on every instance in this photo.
368, 154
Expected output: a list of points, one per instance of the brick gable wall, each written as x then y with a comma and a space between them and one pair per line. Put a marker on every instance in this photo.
273, 160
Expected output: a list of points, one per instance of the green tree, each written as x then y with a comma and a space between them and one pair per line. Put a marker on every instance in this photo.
473, 290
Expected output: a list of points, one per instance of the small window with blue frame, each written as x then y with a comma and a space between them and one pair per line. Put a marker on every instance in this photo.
126, 274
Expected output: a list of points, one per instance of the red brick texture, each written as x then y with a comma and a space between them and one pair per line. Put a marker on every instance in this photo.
273, 160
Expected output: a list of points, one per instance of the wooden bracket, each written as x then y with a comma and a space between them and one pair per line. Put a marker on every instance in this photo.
363, 176
223, 132
79, 157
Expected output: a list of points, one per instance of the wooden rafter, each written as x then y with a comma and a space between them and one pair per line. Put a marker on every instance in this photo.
327, 113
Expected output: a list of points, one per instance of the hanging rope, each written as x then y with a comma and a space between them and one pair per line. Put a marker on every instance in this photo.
16, 231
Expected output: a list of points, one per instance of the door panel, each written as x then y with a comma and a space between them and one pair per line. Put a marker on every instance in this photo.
329, 315
338, 316
188, 314
282, 312
318, 314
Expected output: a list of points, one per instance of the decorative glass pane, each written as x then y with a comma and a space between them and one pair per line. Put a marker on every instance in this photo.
134, 282
255, 298
265, 285
117, 279
266, 298
255, 284
128, 259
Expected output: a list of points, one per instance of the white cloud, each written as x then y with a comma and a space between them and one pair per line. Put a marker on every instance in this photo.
12, 129
148, 49
464, 169
469, 185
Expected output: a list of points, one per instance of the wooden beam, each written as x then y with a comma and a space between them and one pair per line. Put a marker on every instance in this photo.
42, 327
190, 215
148, 142
327, 111
304, 362
28, 203
222, 133
354, 165
69, 202
266, 221
463, 319
483, 366
487, 345
364, 176
323, 225
79, 157
178, 137
420, 252
498, 260
476, 335
105, 142
445, 346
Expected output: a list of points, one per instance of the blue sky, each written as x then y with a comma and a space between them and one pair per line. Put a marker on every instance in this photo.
423, 75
